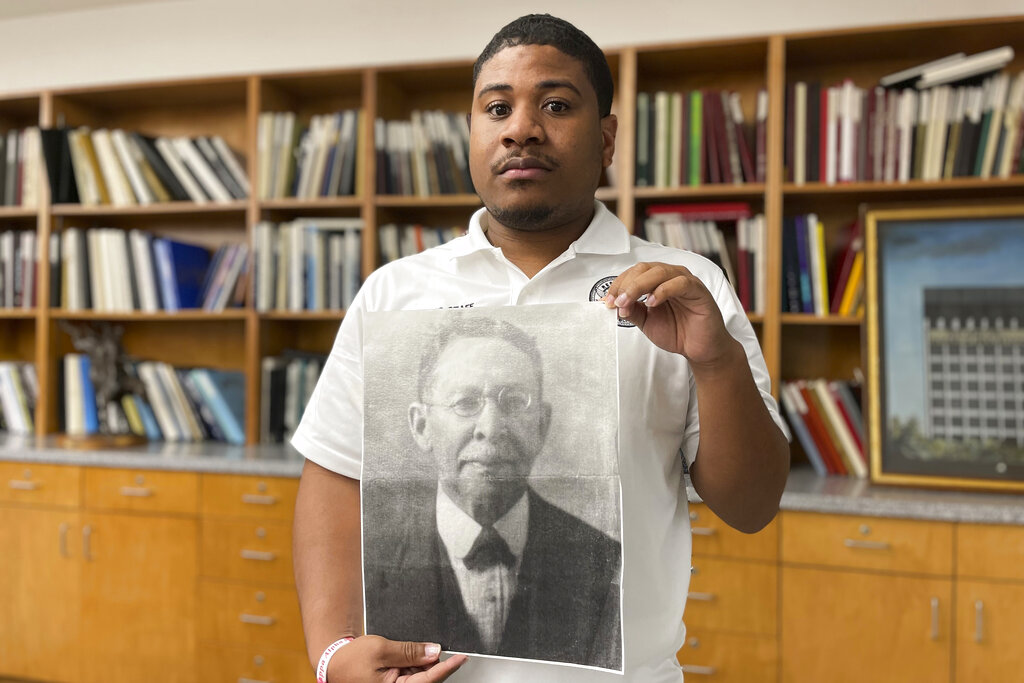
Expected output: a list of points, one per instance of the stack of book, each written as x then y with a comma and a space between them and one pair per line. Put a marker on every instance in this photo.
826, 418
178, 404
20, 165
122, 168
809, 284
702, 229
109, 269
308, 264
697, 137
18, 265
286, 384
426, 155
319, 160
19, 390
844, 133
398, 240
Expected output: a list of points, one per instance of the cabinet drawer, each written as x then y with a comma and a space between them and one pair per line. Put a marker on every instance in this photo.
868, 543
243, 615
990, 551
142, 491
246, 496
728, 658
733, 595
220, 664
712, 536
43, 484
247, 550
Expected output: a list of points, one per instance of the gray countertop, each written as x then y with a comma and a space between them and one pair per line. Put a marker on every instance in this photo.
805, 491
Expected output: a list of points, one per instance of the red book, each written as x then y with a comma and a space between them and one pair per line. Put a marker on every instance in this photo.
843, 265
823, 137
724, 148
707, 211
819, 432
1015, 166
841, 407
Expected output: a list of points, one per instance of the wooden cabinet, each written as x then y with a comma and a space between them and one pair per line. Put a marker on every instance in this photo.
732, 607
990, 603
138, 603
250, 627
865, 596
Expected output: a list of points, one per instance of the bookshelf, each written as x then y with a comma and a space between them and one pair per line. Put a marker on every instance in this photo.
795, 345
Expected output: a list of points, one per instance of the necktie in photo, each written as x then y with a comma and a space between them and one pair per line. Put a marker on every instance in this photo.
489, 549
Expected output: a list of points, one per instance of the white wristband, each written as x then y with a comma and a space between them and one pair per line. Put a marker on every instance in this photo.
325, 658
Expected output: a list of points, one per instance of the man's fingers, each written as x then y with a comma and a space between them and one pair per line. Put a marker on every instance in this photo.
403, 654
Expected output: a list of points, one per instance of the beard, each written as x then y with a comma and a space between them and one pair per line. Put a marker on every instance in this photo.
525, 218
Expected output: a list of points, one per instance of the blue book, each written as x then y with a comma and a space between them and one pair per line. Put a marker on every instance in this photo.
149, 422
796, 421
92, 424
223, 391
804, 259
182, 269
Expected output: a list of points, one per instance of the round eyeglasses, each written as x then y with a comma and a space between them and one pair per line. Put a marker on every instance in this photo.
509, 401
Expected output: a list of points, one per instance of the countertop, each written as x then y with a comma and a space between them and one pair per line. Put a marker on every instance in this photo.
805, 490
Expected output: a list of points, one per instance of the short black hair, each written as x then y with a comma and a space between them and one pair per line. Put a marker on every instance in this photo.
544, 29
463, 327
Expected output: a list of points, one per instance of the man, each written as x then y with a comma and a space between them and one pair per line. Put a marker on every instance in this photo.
691, 376
479, 559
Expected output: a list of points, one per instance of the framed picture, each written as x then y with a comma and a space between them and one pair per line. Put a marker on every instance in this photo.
945, 332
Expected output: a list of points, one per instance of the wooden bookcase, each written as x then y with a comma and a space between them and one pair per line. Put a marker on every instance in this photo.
795, 345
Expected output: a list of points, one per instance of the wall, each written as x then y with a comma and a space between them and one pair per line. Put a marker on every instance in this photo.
187, 38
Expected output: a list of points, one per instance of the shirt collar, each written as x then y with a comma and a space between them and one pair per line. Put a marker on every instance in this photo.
458, 530
605, 235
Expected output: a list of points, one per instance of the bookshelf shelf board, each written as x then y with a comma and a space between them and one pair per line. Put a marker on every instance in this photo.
442, 200
139, 316
746, 190
17, 212
299, 316
162, 208
606, 194
810, 319
17, 313
884, 188
755, 318
293, 204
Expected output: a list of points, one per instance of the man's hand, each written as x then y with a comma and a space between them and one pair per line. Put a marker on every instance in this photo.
372, 659
678, 313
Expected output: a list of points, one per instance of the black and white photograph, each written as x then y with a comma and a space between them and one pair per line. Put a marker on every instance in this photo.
491, 502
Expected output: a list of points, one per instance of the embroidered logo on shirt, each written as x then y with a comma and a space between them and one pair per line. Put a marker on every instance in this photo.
600, 289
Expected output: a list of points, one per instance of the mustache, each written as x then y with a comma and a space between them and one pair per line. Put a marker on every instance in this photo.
549, 162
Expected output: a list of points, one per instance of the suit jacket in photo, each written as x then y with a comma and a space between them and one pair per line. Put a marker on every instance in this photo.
566, 606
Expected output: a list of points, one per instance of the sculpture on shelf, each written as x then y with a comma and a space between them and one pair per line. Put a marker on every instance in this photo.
108, 362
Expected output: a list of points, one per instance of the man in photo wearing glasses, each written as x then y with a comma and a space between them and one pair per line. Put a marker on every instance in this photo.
478, 559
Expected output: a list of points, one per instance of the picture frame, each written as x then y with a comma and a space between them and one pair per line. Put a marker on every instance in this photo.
945, 338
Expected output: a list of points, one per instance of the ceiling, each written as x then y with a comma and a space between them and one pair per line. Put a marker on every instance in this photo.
14, 9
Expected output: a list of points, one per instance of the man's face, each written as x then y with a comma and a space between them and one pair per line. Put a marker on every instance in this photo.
537, 143
484, 423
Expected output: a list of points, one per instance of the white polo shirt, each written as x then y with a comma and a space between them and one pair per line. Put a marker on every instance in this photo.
657, 415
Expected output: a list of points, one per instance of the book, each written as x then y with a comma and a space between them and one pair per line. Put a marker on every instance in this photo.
965, 67
909, 75
795, 409
181, 268
224, 393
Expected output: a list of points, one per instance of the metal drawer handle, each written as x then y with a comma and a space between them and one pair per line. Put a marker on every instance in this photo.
258, 555
935, 619
64, 527
867, 545
257, 619
253, 499
698, 670
136, 491
251, 680
979, 621
702, 597
702, 531
87, 542
22, 485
